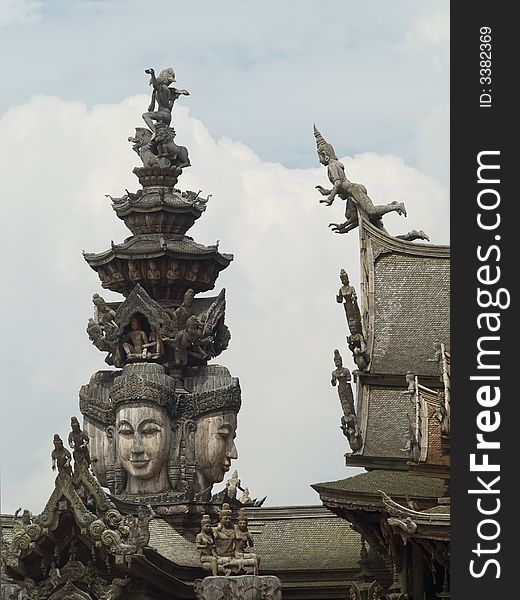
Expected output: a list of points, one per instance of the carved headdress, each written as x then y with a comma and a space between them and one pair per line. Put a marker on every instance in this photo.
323, 147
343, 274
225, 511
225, 399
148, 382
206, 520
166, 75
144, 382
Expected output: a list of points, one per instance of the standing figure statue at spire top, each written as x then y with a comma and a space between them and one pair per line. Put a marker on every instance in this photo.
355, 194
164, 96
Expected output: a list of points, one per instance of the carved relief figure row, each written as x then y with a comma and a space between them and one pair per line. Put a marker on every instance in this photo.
150, 271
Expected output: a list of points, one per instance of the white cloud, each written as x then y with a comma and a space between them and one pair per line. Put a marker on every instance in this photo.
431, 31
18, 11
432, 139
61, 159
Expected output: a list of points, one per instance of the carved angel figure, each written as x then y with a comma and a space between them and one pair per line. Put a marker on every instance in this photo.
347, 296
355, 194
163, 96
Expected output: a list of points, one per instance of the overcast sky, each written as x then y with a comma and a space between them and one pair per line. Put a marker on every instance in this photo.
374, 78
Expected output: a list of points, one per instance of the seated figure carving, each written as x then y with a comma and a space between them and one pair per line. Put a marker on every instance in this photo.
223, 547
137, 345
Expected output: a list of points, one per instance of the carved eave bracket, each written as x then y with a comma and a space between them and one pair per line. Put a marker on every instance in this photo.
340, 378
159, 210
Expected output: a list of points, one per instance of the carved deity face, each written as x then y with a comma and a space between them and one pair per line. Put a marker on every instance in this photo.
143, 438
344, 278
226, 522
338, 360
242, 524
323, 158
206, 528
215, 447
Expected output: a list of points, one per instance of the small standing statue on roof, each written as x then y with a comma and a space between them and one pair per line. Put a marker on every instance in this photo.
78, 441
347, 296
245, 498
341, 377
232, 485
411, 387
349, 425
61, 457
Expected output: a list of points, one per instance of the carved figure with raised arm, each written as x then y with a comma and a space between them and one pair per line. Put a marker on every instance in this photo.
78, 441
355, 194
163, 99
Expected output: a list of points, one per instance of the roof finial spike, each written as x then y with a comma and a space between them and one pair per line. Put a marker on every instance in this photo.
323, 147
